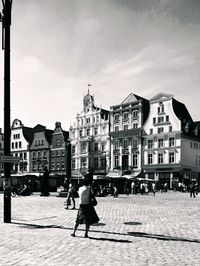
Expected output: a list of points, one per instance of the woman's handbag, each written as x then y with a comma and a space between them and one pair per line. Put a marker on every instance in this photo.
93, 200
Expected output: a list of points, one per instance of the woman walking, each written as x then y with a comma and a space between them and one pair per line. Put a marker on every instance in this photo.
86, 213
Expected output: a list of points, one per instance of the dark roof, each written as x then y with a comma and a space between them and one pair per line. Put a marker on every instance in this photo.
181, 111
39, 128
28, 133
48, 134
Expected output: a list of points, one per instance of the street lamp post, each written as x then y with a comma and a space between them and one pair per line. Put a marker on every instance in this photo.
6, 23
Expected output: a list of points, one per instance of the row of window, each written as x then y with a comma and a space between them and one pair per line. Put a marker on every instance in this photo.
88, 120
171, 142
160, 158
16, 136
159, 130
126, 126
96, 163
88, 132
16, 145
194, 145
125, 116
125, 143
161, 119
58, 166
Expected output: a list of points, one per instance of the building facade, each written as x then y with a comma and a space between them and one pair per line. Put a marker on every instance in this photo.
59, 142
126, 121
171, 142
40, 154
89, 137
21, 139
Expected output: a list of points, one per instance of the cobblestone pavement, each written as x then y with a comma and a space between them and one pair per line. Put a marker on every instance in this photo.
133, 230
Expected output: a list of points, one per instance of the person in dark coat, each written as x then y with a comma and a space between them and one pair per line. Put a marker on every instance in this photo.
45, 183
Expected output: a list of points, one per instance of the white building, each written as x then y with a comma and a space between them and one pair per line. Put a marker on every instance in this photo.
21, 138
126, 121
171, 142
89, 137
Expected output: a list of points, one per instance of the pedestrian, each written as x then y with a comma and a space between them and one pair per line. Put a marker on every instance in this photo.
153, 187
86, 213
196, 188
70, 196
115, 193
133, 187
192, 190
45, 183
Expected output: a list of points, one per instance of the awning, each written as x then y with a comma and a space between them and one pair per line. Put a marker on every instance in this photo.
132, 176
113, 175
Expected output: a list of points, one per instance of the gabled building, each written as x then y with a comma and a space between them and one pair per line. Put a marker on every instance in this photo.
89, 137
21, 139
126, 121
40, 155
59, 141
171, 142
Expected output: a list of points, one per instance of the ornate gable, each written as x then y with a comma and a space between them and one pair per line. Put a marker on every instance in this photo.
161, 97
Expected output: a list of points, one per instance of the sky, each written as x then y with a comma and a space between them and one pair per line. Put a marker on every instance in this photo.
58, 47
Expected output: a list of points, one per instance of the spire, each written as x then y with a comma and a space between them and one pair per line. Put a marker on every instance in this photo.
89, 85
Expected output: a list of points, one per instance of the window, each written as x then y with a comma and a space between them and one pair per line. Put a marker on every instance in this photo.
95, 146
88, 120
33, 155
96, 162
125, 127
96, 131
171, 157
20, 144
135, 125
135, 143
57, 153
116, 144
116, 128
39, 154
160, 143
151, 131
116, 117
150, 144
161, 108
21, 155
150, 158
83, 147
125, 116
171, 142
12, 145
57, 142
16, 145
160, 130
135, 160
53, 166
154, 120
103, 146
36, 143
160, 119
63, 165
73, 149
44, 154
170, 128
25, 156
88, 131
116, 160
135, 114
125, 143
58, 166
73, 164
167, 118
81, 133
160, 158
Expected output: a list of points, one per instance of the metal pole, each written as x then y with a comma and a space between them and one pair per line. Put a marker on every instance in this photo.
68, 163
6, 20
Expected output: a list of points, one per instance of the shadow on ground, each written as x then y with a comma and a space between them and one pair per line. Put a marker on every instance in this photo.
133, 223
162, 237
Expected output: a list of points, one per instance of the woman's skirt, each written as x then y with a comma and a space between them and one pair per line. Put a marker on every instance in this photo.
87, 215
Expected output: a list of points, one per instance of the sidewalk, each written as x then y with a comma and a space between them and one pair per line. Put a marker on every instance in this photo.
133, 230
